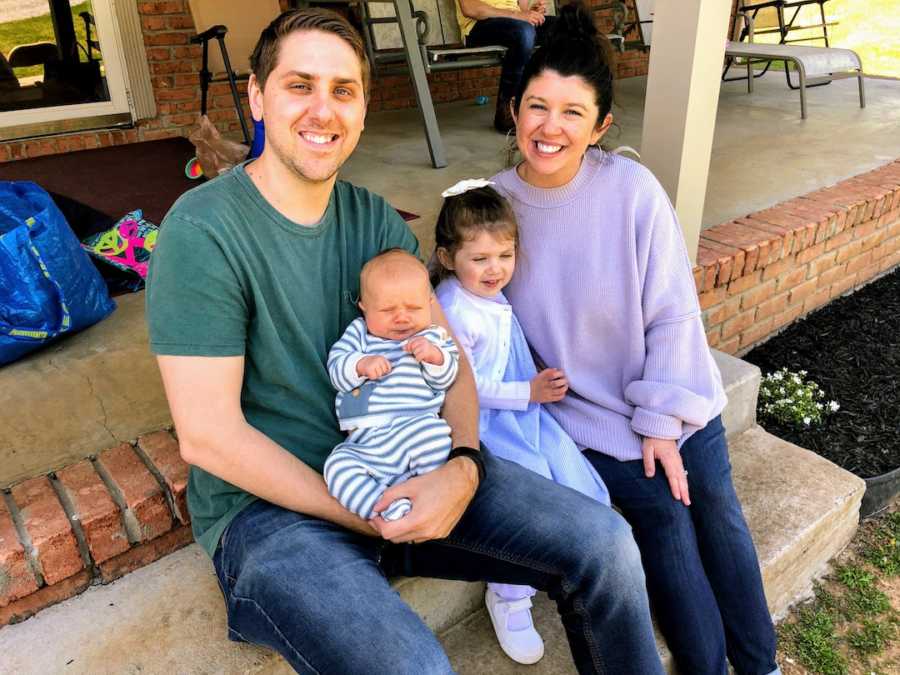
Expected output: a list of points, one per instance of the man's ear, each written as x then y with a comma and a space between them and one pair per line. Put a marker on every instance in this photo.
444, 258
362, 307
255, 97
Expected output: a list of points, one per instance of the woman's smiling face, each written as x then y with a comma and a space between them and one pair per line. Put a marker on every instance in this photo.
557, 121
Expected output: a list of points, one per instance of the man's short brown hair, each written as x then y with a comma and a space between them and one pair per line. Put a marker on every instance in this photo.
265, 54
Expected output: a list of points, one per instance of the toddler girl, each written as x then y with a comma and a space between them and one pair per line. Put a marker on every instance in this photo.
475, 255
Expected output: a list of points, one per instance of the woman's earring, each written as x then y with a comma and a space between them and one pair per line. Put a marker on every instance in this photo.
510, 148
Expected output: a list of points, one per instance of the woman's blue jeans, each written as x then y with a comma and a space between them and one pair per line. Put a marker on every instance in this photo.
519, 37
702, 571
319, 594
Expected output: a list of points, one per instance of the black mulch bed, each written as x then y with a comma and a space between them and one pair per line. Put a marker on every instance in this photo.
851, 348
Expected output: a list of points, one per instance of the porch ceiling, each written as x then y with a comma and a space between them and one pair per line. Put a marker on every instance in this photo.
763, 152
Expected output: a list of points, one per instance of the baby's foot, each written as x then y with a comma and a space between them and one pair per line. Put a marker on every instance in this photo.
397, 509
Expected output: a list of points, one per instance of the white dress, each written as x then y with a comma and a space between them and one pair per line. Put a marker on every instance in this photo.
510, 425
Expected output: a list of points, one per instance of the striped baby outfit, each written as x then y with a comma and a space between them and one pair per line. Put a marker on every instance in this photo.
395, 430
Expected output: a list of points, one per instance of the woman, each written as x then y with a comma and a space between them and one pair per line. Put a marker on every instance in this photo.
605, 292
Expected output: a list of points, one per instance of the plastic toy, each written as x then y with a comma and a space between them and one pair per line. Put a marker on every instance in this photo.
192, 169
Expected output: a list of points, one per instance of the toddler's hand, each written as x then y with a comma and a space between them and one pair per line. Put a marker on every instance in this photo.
548, 386
424, 351
373, 367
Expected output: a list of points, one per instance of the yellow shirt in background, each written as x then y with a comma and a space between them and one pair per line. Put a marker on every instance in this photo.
466, 24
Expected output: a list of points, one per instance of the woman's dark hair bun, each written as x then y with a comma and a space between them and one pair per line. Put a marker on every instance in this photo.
574, 47
574, 22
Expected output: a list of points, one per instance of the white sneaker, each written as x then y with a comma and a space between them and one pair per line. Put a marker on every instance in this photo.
522, 645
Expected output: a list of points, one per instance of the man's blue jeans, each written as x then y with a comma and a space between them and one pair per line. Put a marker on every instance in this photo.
702, 571
319, 594
519, 37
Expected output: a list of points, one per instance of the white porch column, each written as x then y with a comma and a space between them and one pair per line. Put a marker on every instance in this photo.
682, 97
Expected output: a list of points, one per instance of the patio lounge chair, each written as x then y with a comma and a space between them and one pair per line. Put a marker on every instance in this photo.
815, 65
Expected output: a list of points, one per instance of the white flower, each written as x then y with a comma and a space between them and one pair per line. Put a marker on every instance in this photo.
465, 185
777, 376
781, 390
803, 373
819, 406
806, 421
834, 406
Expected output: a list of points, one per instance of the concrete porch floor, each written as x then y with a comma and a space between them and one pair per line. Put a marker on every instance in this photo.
763, 152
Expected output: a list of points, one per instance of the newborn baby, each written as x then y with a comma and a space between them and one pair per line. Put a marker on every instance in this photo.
391, 368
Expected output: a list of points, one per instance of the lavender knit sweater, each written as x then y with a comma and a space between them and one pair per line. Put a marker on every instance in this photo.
603, 289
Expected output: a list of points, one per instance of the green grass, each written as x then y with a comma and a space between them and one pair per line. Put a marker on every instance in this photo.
855, 577
37, 29
863, 598
815, 644
850, 623
882, 549
867, 602
872, 638
869, 27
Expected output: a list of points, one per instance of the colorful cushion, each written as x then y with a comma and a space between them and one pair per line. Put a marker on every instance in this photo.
126, 245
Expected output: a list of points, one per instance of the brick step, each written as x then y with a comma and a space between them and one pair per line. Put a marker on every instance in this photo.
801, 508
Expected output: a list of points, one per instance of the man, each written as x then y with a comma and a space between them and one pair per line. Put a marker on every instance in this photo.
255, 276
515, 24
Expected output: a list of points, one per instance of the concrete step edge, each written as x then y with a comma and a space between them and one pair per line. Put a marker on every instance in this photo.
741, 381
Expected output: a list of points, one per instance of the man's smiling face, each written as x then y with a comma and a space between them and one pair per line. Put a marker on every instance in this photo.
313, 104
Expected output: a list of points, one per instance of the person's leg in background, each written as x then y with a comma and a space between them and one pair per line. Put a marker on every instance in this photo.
520, 39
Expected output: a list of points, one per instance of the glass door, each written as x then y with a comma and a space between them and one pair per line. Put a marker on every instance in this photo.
61, 67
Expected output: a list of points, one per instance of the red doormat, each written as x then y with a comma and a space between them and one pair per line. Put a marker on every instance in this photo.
114, 180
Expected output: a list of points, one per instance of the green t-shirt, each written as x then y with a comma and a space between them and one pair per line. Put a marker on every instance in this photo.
231, 276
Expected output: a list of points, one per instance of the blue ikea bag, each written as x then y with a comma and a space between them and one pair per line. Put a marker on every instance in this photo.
48, 285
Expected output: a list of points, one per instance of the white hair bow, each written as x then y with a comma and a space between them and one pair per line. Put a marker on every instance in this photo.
464, 186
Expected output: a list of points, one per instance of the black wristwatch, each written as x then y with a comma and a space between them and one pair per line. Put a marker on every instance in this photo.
474, 455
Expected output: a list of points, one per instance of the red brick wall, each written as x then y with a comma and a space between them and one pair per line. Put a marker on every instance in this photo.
92, 521
757, 274
174, 66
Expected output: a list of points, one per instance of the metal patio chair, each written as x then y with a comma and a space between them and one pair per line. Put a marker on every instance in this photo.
814, 65
783, 19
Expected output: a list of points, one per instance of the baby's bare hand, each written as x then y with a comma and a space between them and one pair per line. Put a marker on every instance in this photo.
424, 351
548, 386
373, 367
